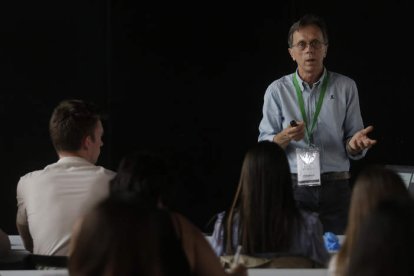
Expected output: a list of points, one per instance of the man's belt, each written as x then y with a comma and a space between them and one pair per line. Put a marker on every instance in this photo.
329, 176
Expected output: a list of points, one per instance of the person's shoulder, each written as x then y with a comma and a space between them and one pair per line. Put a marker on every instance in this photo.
107, 172
282, 81
31, 175
181, 222
334, 76
81, 164
220, 216
279, 86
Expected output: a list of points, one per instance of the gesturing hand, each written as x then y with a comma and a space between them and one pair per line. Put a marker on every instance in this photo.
360, 141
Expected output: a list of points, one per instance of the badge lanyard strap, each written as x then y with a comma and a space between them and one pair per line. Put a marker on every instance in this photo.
318, 105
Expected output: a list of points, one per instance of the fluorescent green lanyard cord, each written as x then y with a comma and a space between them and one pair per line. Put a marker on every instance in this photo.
309, 132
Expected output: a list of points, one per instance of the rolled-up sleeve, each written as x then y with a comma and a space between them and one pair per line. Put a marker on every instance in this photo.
21, 217
270, 124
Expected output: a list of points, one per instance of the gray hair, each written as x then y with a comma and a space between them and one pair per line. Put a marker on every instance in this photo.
306, 20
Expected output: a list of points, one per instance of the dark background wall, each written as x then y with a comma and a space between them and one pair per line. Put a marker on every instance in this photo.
188, 81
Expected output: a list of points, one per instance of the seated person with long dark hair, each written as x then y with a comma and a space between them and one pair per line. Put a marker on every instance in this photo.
373, 185
264, 218
123, 237
385, 243
143, 178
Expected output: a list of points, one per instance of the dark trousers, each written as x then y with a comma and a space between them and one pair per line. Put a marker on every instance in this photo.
330, 201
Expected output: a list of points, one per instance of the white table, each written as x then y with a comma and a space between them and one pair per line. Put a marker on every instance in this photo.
341, 239
288, 272
62, 272
16, 242
17, 254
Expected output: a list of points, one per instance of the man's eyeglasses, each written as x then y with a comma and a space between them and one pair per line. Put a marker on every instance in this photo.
315, 44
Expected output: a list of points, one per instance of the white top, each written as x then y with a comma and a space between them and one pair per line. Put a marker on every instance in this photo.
49, 201
287, 272
60, 272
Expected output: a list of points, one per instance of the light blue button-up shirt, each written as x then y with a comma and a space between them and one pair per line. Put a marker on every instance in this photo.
339, 118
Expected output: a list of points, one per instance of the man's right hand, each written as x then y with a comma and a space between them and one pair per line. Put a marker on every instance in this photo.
290, 133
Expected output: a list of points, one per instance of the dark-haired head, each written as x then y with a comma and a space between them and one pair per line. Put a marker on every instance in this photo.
264, 200
121, 237
384, 246
71, 122
143, 176
373, 184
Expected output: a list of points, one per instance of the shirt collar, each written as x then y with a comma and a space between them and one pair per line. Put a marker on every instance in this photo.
302, 82
73, 159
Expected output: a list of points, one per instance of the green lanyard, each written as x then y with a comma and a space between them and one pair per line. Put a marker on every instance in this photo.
309, 132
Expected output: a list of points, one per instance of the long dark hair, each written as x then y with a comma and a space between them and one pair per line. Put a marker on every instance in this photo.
121, 237
264, 202
144, 176
385, 243
374, 184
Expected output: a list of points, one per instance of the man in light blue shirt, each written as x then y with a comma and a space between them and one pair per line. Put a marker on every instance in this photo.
328, 119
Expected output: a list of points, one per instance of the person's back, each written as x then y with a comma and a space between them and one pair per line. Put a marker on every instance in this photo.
373, 185
306, 239
50, 200
123, 237
385, 244
264, 217
144, 177
56, 196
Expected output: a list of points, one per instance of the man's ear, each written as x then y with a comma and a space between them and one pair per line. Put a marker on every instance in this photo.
291, 54
86, 142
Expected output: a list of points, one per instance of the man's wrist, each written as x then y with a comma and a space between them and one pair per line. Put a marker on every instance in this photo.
281, 139
350, 150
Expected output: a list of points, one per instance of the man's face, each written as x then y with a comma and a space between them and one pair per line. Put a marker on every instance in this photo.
96, 144
308, 49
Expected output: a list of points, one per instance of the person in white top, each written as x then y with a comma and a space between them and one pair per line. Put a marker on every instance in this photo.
49, 201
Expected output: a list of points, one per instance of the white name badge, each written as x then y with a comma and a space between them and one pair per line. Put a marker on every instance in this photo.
309, 171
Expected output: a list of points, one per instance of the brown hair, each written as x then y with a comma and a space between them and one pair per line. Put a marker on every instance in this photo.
123, 237
385, 242
72, 121
374, 184
264, 202
307, 20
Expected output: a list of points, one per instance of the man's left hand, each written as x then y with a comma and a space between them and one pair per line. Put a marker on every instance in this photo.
360, 141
